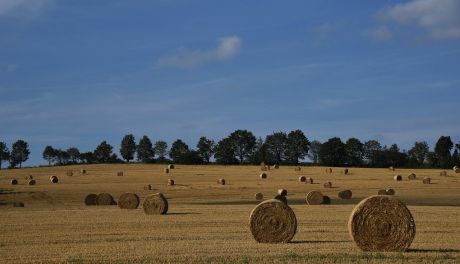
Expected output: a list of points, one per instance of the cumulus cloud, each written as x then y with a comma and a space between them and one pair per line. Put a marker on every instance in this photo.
227, 48
381, 33
31, 7
440, 19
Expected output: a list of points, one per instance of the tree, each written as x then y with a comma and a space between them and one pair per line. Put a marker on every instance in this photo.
369, 149
332, 152
49, 154
145, 150
4, 153
225, 152
276, 147
205, 149
297, 146
74, 154
161, 149
354, 151
313, 152
419, 152
103, 152
61, 157
442, 150
128, 147
87, 157
259, 154
19, 153
178, 151
243, 143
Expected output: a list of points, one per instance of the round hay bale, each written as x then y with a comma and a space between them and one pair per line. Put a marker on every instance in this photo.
327, 184
426, 180
443, 173
329, 170
14, 181
297, 169
390, 191
345, 171
18, 204
82, 171
276, 166
128, 201
69, 173
259, 196
345, 194
326, 199
282, 192
91, 199
397, 177
148, 187
314, 198
273, 221
170, 182
104, 199
382, 192
281, 198
302, 179
171, 166
263, 175
381, 223
54, 179
155, 204
120, 173
391, 168
32, 182
412, 176
456, 169
221, 181
263, 168
309, 180
29, 177
166, 170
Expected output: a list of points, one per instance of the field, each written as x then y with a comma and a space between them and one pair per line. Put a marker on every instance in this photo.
207, 222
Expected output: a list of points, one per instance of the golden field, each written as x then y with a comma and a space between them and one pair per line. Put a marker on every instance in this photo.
209, 223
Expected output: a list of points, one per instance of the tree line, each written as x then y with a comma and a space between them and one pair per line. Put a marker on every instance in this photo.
242, 147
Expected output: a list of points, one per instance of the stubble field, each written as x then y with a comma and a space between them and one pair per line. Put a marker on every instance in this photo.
207, 222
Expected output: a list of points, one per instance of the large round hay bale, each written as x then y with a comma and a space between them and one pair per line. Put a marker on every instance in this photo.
128, 201
382, 192
326, 199
54, 179
105, 199
170, 182
120, 173
259, 196
263, 175
91, 199
391, 168
166, 170
329, 170
345, 194
273, 221
426, 180
397, 177
381, 223
282, 192
345, 171
314, 198
443, 173
412, 176
390, 191
82, 171
327, 184
221, 181
32, 182
14, 181
69, 173
281, 198
309, 180
302, 179
155, 204
18, 204
171, 166
147, 187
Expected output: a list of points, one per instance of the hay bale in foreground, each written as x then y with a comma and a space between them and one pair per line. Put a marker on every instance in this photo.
171, 166
326, 199
381, 223
309, 180
91, 199
18, 204
345, 194
69, 173
390, 191
221, 181
443, 173
263, 175
105, 199
281, 198
171, 182
382, 192
302, 179
426, 180
327, 184
155, 204
31, 182
273, 221
259, 196
397, 177
314, 198
166, 170
128, 201
147, 187
54, 179
14, 181
282, 192
120, 173
412, 176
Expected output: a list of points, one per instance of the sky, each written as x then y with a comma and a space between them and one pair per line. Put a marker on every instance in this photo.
77, 72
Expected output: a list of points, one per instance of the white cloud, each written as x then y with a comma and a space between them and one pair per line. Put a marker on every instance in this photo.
11, 67
31, 7
381, 33
440, 19
227, 48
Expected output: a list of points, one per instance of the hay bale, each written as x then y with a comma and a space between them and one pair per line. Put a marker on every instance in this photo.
69, 173
276, 166
14, 181
29, 177
54, 179
329, 170
326, 199
426, 180
263, 175
82, 171
273, 221
382, 192
128, 201
282, 192
105, 199
155, 204
120, 173
345, 194
148, 187
309, 180
389, 191
171, 166
456, 169
259, 196
91, 199
281, 198
412, 176
32, 182
170, 182
221, 181
327, 184
314, 198
345, 171
166, 170
302, 179
397, 177
263, 168
297, 169
443, 173
391, 168
18, 204
381, 223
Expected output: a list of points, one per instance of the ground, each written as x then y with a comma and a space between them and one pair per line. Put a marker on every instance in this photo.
207, 222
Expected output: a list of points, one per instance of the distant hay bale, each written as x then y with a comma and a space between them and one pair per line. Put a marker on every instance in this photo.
329, 170
382, 192
155, 204
14, 181
326, 199
314, 198
456, 169
171, 166
120, 173
32, 182
263, 175
297, 169
259, 196
128, 201
221, 181
273, 221
309, 180
381, 223
18, 204
391, 168
282, 192
170, 182
397, 177
54, 179
91, 199
327, 184
281, 198
82, 171
443, 173
29, 177
69, 173
148, 187
276, 166
345, 194
105, 199
389, 191
412, 176
345, 171
426, 180
262, 163
302, 179
263, 168
166, 170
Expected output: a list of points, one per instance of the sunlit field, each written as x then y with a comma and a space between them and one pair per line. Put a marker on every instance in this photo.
207, 222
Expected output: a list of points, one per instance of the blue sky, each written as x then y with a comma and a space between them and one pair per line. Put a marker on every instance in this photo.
74, 73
